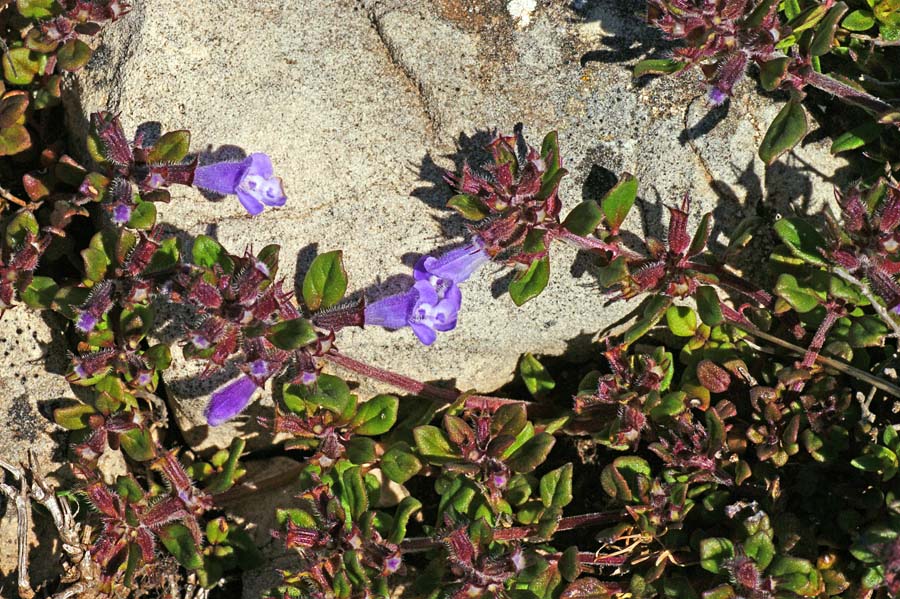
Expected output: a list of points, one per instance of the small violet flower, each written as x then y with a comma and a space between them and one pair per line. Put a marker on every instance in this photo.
426, 308
433, 303
230, 400
456, 265
252, 180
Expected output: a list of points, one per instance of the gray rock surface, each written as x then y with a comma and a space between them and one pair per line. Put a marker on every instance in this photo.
31, 382
360, 104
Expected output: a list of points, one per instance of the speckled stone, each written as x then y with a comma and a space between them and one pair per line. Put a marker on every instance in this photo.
361, 104
31, 384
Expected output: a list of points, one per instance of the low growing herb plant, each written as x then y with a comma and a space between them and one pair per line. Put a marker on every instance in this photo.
738, 439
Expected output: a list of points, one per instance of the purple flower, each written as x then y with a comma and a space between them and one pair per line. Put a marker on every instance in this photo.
717, 96
95, 307
230, 400
86, 322
456, 265
427, 308
252, 180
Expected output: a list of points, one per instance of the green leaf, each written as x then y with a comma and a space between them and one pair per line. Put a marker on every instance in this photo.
785, 132
165, 258
354, 492
159, 356
755, 19
143, 216
888, 13
824, 36
587, 588
760, 549
670, 404
793, 574
626, 478
138, 444
292, 334
269, 256
135, 323
207, 252
877, 459
532, 453
95, 263
18, 228
73, 417
891, 438
654, 308
791, 8
859, 20
681, 320
550, 155
701, 235
361, 450
556, 487
217, 531
405, 510
569, 565
772, 72
328, 392
856, 137
21, 65
224, 480
618, 201
376, 416
802, 299
432, 443
171, 147
12, 108
531, 283
536, 377
73, 55
658, 66
40, 293
714, 551
867, 331
615, 272
802, 239
177, 539
325, 282
723, 591
400, 464
469, 207
37, 9
14, 139
584, 218
550, 183
807, 19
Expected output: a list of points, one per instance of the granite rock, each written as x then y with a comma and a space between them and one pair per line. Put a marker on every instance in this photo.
31, 384
361, 104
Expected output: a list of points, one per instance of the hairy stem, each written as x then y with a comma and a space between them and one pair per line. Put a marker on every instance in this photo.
405, 383
845, 92
862, 375
735, 283
592, 243
415, 544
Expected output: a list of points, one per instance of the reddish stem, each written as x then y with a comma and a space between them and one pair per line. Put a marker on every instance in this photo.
736, 283
812, 353
475, 402
523, 532
592, 243
845, 92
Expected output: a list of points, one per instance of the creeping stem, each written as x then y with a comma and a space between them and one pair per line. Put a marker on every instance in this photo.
845, 92
410, 385
415, 544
